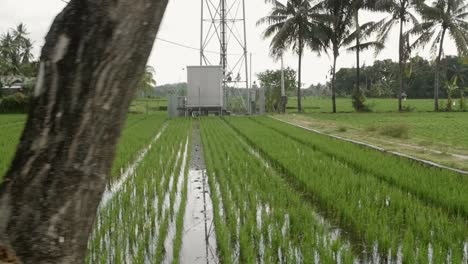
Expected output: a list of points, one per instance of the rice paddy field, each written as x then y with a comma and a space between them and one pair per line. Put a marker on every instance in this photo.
258, 190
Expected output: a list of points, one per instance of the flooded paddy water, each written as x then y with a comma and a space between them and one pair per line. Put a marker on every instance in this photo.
199, 237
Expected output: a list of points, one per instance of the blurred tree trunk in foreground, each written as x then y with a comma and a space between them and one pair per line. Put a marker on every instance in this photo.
94, 56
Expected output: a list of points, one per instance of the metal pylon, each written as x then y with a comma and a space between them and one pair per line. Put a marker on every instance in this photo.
223, 28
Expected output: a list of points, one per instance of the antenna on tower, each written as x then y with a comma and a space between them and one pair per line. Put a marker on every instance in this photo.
223, 28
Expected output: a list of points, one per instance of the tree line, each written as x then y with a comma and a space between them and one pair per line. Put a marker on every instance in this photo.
17, 63
380, 80
333, 26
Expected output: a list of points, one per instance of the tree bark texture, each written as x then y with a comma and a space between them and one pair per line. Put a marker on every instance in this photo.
401, 64
299, 81
358, 63
437, 72
94, 56
333, 83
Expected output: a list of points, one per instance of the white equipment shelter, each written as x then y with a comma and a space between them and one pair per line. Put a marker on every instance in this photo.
205, 90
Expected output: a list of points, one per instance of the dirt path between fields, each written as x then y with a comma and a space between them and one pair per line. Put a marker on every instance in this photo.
442, 157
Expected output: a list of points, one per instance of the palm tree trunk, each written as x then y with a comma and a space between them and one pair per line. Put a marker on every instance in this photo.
335, 56
50, 194
299, 95
437, 73
401, 65
358, 64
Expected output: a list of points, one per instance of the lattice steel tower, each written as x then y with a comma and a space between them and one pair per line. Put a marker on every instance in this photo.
223, 28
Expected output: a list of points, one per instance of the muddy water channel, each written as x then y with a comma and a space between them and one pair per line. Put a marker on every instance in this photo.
199, 238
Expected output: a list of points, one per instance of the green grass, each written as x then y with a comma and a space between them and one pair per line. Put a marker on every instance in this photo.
440, 128
11, 127
397, 210
324, 104
149, 105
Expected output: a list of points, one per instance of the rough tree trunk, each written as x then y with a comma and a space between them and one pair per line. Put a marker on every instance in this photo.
299, 81
93, 58
437, 73
335, 56
358, 63
401, 66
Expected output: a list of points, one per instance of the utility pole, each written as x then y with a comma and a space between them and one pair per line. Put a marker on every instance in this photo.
250, 79
283, 90
245, 57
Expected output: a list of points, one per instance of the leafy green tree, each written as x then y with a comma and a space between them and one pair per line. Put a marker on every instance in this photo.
440, 18
271, 81
400, 14
147, 82
16, 53
295, 26
419, 83
451, 87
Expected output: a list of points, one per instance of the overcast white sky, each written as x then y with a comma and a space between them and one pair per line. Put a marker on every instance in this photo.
182, 25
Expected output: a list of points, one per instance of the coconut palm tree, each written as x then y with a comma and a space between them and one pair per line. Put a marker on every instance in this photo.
15, 51
362, 32
400, 14
26, 53
339, 33
147, 82
440, 18
295, 25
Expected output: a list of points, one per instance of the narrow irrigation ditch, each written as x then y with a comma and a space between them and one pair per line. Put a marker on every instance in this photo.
199, 237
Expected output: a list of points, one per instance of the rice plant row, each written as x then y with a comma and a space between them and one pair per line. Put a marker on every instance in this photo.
258, 217
141, 223
442, 188
374, 212
138, 131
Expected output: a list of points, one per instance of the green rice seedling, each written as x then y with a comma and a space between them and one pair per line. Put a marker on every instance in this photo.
138, 131
132, 225
441, 188
362, 204
261, 219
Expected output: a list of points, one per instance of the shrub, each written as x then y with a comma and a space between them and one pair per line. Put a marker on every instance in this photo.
395, 131
359, 101
17, 103
462, 101
408, 108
